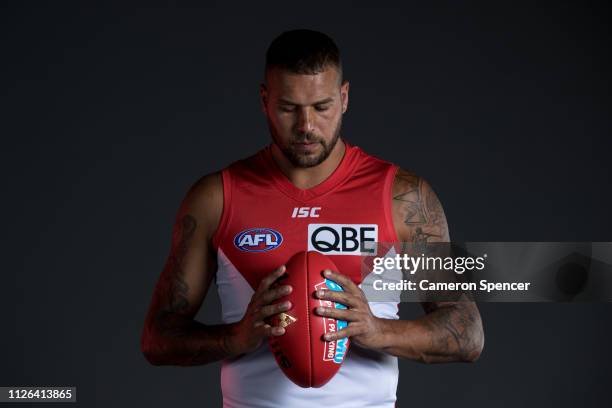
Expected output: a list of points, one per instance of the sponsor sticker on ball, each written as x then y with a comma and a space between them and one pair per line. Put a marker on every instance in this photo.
334, 350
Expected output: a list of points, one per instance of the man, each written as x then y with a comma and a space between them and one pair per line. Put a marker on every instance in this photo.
308, 177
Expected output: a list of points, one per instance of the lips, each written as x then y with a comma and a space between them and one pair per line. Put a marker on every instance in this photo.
306, 146
306, 142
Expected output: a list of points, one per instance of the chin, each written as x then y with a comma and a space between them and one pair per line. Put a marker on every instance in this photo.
307, 160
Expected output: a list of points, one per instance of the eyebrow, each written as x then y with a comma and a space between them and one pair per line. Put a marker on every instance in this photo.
321, 102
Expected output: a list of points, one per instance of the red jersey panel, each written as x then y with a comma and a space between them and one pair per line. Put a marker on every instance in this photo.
266, 219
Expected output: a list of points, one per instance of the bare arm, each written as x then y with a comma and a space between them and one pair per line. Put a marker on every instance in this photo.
449, 331
170, 335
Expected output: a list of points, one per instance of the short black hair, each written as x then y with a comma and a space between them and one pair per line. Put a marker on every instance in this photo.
303, 52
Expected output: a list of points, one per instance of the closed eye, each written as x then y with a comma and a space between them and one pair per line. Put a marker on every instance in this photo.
287, 108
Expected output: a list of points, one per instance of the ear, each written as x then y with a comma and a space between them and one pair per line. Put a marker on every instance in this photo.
263, 96
344, 95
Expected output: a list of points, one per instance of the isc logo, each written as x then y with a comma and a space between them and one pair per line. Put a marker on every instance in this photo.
305, 212
258, 240
342, 239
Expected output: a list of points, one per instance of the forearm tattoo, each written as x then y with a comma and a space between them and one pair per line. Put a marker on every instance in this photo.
455, 332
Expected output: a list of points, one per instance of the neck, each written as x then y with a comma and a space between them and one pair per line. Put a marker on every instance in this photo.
309, 177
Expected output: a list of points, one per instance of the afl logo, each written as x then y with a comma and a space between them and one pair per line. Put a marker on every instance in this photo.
258, 240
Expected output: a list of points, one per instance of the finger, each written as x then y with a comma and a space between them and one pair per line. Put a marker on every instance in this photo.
273, 330
342, 280
338, 297
271, 310
338, 314
276, 331
348, 332
269, 279
271, 295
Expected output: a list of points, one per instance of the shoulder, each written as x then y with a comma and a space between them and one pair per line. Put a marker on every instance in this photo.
203, 202
417, 212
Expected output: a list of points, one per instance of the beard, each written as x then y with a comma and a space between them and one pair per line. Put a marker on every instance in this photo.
303, 159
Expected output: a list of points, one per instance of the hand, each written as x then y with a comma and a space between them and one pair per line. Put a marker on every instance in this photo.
364, 329
252, 329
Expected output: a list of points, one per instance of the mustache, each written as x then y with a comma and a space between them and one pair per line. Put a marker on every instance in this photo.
306, 138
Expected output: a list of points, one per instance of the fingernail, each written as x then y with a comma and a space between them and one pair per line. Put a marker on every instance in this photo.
327, 272
327, 336
321, 310
287, 304
288, 289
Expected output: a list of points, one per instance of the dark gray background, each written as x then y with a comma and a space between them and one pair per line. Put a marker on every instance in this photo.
110, 114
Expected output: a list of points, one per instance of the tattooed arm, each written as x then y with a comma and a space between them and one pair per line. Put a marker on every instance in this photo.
170, 335
450, 331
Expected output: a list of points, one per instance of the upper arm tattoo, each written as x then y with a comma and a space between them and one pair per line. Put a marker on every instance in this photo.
410, 197
172, 289
420, 210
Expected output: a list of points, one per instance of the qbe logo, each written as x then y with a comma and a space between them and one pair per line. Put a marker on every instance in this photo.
258, 240
342, 239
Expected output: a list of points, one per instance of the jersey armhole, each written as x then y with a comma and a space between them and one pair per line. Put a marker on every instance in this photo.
226, 212
388, 200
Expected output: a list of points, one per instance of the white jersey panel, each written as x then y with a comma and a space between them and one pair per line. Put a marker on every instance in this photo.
365, 379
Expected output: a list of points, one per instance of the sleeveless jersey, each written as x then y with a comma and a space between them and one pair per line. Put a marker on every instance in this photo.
265, 220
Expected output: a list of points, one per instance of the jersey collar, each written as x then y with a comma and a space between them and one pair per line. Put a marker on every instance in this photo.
342, 172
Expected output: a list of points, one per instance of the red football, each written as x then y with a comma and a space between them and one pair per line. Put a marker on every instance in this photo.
302, 354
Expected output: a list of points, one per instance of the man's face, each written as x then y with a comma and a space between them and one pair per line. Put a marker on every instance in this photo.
304, 113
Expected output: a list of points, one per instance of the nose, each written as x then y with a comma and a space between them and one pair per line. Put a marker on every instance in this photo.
304, 124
